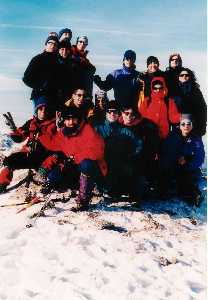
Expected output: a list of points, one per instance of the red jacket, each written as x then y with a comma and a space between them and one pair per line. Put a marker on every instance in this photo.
87, 144
33, 130
160, 111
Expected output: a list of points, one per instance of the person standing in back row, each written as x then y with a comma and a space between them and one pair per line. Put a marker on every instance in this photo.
87, 70
153, 70
172, 72
41, 74
189, 100
123, 81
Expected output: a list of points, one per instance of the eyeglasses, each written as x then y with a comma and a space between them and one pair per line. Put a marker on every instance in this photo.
158, 88
183, 124
128, 113
184, 75
113, 111
80, 95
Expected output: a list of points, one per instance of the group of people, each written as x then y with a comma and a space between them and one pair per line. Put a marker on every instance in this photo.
147, 138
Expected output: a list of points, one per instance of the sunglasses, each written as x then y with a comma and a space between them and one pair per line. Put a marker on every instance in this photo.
157, 88
81, 42
183, 124
113, 111
184, 75
174, 59
80, 95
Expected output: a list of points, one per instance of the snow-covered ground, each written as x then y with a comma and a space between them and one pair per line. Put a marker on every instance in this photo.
111, 252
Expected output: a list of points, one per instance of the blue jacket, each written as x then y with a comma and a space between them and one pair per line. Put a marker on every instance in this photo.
124, 83
176, 146
119, 140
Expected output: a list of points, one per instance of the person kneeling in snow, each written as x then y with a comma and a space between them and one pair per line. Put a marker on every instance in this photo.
182, 155
33, 153
83, 148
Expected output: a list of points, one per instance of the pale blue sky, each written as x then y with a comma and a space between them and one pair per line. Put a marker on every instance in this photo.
149, 27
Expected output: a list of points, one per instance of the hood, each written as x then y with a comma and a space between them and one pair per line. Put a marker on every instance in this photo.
179, 59
160, 93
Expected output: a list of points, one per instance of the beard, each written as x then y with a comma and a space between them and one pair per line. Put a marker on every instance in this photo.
69, 131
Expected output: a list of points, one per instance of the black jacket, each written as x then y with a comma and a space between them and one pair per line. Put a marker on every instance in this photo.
41, 76
191, 101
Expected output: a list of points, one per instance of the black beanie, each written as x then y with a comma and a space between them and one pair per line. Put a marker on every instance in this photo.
151, 59
130, 54
112, 105
52, 38
71, 112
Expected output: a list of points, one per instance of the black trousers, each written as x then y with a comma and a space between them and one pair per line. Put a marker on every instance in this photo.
23, 160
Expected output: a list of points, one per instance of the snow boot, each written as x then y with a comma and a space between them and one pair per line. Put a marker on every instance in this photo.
85, 192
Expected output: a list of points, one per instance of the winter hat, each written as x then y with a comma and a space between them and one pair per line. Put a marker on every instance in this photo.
65, 44
62, 31
53, 33
52, 38
130, 54
157, 82
151, 59
112, 104
71, 112
83, 38
187, 117
40, 101
101, 93
179, 59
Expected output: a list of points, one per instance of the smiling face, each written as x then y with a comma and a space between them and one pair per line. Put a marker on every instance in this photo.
186, 126
184, 76
174, 62
128, 116
71, 122
153, 67
101, 103
112, 115
64, 52
78, 97
81, 45
65, 35
42, 112
51, 46
128, 62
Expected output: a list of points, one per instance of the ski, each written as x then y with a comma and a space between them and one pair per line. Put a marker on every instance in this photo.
34, 200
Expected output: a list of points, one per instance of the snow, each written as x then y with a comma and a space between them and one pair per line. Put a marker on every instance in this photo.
110, 252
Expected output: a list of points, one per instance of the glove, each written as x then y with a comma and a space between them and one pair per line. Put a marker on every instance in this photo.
59, 120
9, 121
42, 172
96, 79
92, 69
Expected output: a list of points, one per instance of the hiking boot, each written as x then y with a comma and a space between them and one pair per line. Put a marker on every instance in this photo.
85, 191
46, 188
80, 207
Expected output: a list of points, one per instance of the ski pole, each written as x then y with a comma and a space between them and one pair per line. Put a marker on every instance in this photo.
39, 213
